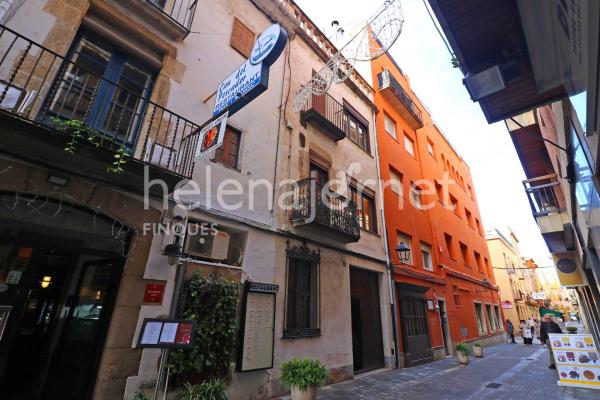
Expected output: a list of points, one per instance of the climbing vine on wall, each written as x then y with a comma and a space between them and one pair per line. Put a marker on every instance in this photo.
211, 301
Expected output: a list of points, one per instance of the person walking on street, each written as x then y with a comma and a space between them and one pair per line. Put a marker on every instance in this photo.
526, 333
549, 326
510, 329
531, 326
537, 330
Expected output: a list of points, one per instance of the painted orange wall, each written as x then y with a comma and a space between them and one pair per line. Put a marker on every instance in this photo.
430, 225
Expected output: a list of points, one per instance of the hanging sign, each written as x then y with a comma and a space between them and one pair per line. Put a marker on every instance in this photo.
251, 78
576, 358
166, 333
507, 304
538, 295
211, 135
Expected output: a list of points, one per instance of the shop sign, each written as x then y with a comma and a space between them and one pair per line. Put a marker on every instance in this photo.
211, 135
14, 277
154, 292
507, 304
166, 333
538, 295
577, 360
251, 78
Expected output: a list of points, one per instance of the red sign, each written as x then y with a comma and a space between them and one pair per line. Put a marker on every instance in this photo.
507, 304
154, 293
184, 334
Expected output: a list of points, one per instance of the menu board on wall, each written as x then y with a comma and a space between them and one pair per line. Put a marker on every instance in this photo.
577, 360
166, 333
258, 329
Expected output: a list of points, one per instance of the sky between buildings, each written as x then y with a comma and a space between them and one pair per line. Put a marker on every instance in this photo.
487, 149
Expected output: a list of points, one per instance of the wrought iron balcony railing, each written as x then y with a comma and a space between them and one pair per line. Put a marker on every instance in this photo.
326, 112
543, 195
314, 204
398, 96
179, 11
41, 86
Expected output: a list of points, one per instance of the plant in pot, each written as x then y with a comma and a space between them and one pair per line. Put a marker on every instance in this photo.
462, 351
478, 350
303, 377
572, 329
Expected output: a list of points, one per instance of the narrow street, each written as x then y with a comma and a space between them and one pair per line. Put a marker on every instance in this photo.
506, 372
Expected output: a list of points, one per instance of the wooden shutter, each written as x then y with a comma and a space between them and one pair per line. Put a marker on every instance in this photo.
242, 38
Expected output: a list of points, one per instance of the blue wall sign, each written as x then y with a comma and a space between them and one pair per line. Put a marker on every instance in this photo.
251, 78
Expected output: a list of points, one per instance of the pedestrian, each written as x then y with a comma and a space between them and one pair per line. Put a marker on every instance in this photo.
537, 330
547, 327
526, 333
510, 329
531, 326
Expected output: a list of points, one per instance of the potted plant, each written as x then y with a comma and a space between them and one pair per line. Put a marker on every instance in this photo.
462, 351
303, 377
572, 329
213, 389
478, 350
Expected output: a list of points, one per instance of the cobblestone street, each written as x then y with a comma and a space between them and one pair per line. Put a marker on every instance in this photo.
506, 372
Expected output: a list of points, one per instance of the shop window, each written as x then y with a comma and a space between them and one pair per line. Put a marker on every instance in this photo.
481, 328
498, 317
491, 317
228, 153
242, 38
302, 297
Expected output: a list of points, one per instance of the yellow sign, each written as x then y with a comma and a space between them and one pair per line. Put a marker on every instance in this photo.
577, 360
568, 270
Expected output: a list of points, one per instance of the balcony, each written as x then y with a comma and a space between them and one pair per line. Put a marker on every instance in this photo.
49, 104
393, 92
180, 12
547, 205
327, 113
318, 208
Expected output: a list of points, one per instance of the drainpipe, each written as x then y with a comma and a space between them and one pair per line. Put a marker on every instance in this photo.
388, 256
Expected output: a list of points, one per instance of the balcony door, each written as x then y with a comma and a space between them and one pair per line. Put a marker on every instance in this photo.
103, 87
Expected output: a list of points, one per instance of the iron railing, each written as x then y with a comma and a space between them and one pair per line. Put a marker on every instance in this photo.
179, 11
327, 108
386, 79
313, 203
543, 196
39, 85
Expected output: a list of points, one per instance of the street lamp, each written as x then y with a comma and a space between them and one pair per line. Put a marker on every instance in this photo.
173, 252
403, 252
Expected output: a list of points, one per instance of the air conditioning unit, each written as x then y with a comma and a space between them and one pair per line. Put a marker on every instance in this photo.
212, 245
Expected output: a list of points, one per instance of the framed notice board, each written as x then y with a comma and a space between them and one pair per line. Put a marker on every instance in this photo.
166, 333
257, 332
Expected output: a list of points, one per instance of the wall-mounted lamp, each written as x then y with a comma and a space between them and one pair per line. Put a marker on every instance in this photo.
46, 281
484, 83
403, 252
173, 252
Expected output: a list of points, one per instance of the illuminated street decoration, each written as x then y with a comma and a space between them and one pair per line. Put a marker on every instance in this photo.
373, 38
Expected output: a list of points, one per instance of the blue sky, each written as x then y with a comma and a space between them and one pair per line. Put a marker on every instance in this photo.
487, 149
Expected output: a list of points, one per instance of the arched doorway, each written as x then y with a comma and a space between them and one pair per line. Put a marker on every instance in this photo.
60, 268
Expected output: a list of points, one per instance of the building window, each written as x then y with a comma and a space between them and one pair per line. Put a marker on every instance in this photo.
357, 131
478, 224
469, 218
464, 253
409, 145
390, 126
449, 245
242, 38
302, 296
365, 204
426, 256
407, 240
415, 194
430, 148
487, 266
396, 183
491, 317
498, 317
115, 109
478, 262
453, 206
228, 152
481, 328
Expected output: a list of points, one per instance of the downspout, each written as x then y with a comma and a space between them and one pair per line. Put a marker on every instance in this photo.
388, 257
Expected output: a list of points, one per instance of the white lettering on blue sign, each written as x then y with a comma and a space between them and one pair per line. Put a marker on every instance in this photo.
236, 85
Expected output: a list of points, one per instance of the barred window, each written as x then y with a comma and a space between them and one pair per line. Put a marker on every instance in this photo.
302, 297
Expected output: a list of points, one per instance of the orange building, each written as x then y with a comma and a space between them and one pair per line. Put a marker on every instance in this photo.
445, 289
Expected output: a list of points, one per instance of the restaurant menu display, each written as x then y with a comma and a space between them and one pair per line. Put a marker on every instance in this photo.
166, 333
577, 360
